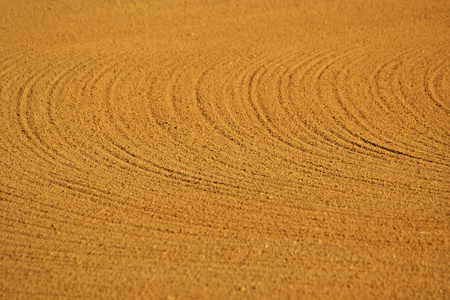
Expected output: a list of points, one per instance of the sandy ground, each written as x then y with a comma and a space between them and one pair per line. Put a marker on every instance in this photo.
225, 149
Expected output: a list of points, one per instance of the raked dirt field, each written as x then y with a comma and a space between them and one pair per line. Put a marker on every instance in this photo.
225, 149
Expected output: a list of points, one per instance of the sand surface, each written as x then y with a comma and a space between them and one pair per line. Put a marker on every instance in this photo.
224, 149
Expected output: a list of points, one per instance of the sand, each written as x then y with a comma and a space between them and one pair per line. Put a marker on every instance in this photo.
224, 149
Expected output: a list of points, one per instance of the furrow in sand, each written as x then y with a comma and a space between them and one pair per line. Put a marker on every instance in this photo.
197, 149
265, 133
281, 123
420, 118
364, 129
340, 99
124, 136
89, 86
241, 127
27, 107
97, 79
335, 113
295, 160
212, 105
203, 95
30, 104
123, 130
436, 82
50, 226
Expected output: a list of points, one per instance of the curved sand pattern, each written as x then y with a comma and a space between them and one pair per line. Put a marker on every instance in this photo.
224, 150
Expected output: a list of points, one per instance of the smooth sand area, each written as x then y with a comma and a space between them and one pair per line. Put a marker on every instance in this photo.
225, 149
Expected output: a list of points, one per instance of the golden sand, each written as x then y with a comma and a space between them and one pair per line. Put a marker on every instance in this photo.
224, 149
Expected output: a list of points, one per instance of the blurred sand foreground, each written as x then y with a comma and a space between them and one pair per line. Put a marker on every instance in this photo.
224, 149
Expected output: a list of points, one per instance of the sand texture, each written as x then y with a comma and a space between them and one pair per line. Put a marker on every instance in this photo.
206, 149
